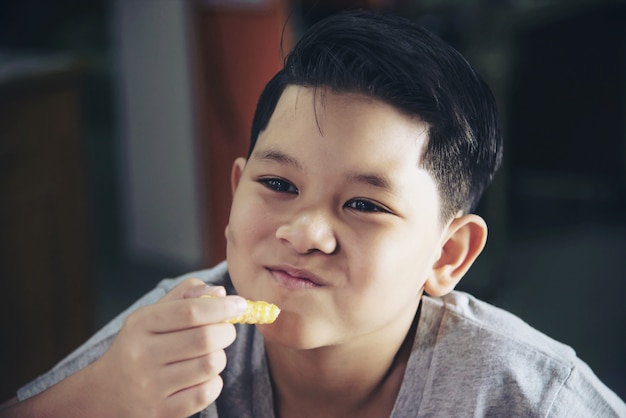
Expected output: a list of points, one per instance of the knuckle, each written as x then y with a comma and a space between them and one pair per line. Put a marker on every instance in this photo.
216, 337
132, 321
190, 281
209, 391
202, 340
223, 335
213, 364
231, 334
190, 313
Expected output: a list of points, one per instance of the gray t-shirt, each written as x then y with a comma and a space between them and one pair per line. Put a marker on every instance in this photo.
468, 359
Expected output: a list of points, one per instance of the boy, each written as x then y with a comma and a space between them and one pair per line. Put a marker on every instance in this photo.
369, 151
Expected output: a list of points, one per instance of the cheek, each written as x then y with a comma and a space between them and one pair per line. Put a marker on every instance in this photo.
236, 239
242, 215
237, 223
249, 226
396, 263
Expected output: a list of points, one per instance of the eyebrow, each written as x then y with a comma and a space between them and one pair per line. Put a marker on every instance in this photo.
375, 180
279, 157
370, 179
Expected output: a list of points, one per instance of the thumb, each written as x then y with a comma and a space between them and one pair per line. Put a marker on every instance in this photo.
192, 288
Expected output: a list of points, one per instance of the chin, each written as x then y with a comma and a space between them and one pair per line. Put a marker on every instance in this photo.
294, 334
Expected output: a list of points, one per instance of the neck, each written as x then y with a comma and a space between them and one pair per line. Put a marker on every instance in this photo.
360, 379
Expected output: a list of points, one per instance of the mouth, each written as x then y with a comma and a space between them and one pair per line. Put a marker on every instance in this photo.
293, 278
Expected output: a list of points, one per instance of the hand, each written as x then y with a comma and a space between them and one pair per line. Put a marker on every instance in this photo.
166, 359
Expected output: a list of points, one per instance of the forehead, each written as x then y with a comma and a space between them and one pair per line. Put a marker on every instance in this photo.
346, 139
349, 118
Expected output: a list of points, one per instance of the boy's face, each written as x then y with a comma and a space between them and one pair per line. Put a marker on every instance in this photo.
333, 219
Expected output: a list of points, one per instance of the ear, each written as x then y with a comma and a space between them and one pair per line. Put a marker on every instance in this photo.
236, 172
235, 176
464, 240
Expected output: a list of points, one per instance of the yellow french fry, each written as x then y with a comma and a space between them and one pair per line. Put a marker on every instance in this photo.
258, 312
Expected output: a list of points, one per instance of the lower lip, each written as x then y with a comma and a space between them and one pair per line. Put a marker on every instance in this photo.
291, 282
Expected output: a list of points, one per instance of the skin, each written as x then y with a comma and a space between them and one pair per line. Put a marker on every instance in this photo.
334, 220
165, 362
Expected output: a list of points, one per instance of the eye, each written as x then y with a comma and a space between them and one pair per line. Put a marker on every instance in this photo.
365, 206
278, 185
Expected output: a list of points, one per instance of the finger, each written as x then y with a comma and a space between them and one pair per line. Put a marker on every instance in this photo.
179, 290
192, 372
194, 342
204, 290
189, 313
192, 400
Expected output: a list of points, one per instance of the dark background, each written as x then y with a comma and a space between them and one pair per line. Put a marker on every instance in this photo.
557, 210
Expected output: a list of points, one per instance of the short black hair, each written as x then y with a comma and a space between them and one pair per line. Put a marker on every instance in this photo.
395, 60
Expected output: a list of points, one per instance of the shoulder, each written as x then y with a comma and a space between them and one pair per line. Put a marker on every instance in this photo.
505, 366
466, 316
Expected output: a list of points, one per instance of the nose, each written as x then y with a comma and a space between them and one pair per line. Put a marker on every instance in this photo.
309, 232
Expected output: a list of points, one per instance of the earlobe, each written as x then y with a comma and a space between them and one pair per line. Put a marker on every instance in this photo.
464, 241
236, 172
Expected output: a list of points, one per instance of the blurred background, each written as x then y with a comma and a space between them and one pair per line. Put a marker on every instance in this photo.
119, 120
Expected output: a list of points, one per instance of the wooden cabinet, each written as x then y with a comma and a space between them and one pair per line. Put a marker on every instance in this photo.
236, 50
44, 269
